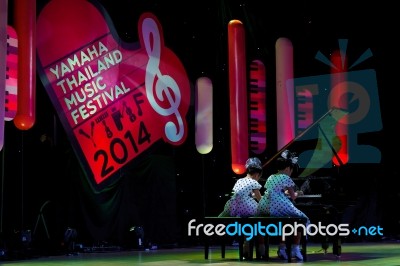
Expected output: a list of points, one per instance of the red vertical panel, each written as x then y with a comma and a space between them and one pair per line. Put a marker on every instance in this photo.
338, 98
238, 96
25, 25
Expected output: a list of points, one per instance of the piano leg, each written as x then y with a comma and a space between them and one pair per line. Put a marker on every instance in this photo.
325, 244
337, 247
332, 217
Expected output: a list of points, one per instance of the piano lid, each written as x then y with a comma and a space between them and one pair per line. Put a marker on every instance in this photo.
317, 145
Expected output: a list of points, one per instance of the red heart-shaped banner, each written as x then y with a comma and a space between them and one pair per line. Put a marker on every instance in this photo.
115, 100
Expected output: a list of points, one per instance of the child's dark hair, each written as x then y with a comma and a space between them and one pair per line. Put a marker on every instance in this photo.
253, 165
254, 170
281, 163
287, 159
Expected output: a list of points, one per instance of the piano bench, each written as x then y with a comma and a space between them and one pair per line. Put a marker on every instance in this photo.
253, 243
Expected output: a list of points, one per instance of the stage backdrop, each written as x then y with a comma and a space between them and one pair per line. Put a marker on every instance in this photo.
118, 103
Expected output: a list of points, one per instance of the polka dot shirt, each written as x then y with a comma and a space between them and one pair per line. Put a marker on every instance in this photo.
274, 202
242, 203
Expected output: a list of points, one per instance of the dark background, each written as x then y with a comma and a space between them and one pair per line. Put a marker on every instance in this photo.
168, 186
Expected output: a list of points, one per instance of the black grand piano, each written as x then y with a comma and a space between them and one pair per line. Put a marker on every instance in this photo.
323, 200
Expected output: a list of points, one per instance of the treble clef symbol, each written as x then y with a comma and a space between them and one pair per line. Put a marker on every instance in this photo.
164, 85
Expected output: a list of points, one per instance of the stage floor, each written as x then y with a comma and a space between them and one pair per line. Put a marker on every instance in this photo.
366, 253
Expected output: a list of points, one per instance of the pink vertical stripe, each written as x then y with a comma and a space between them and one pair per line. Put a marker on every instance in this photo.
3, 55
12, 75
258, 116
